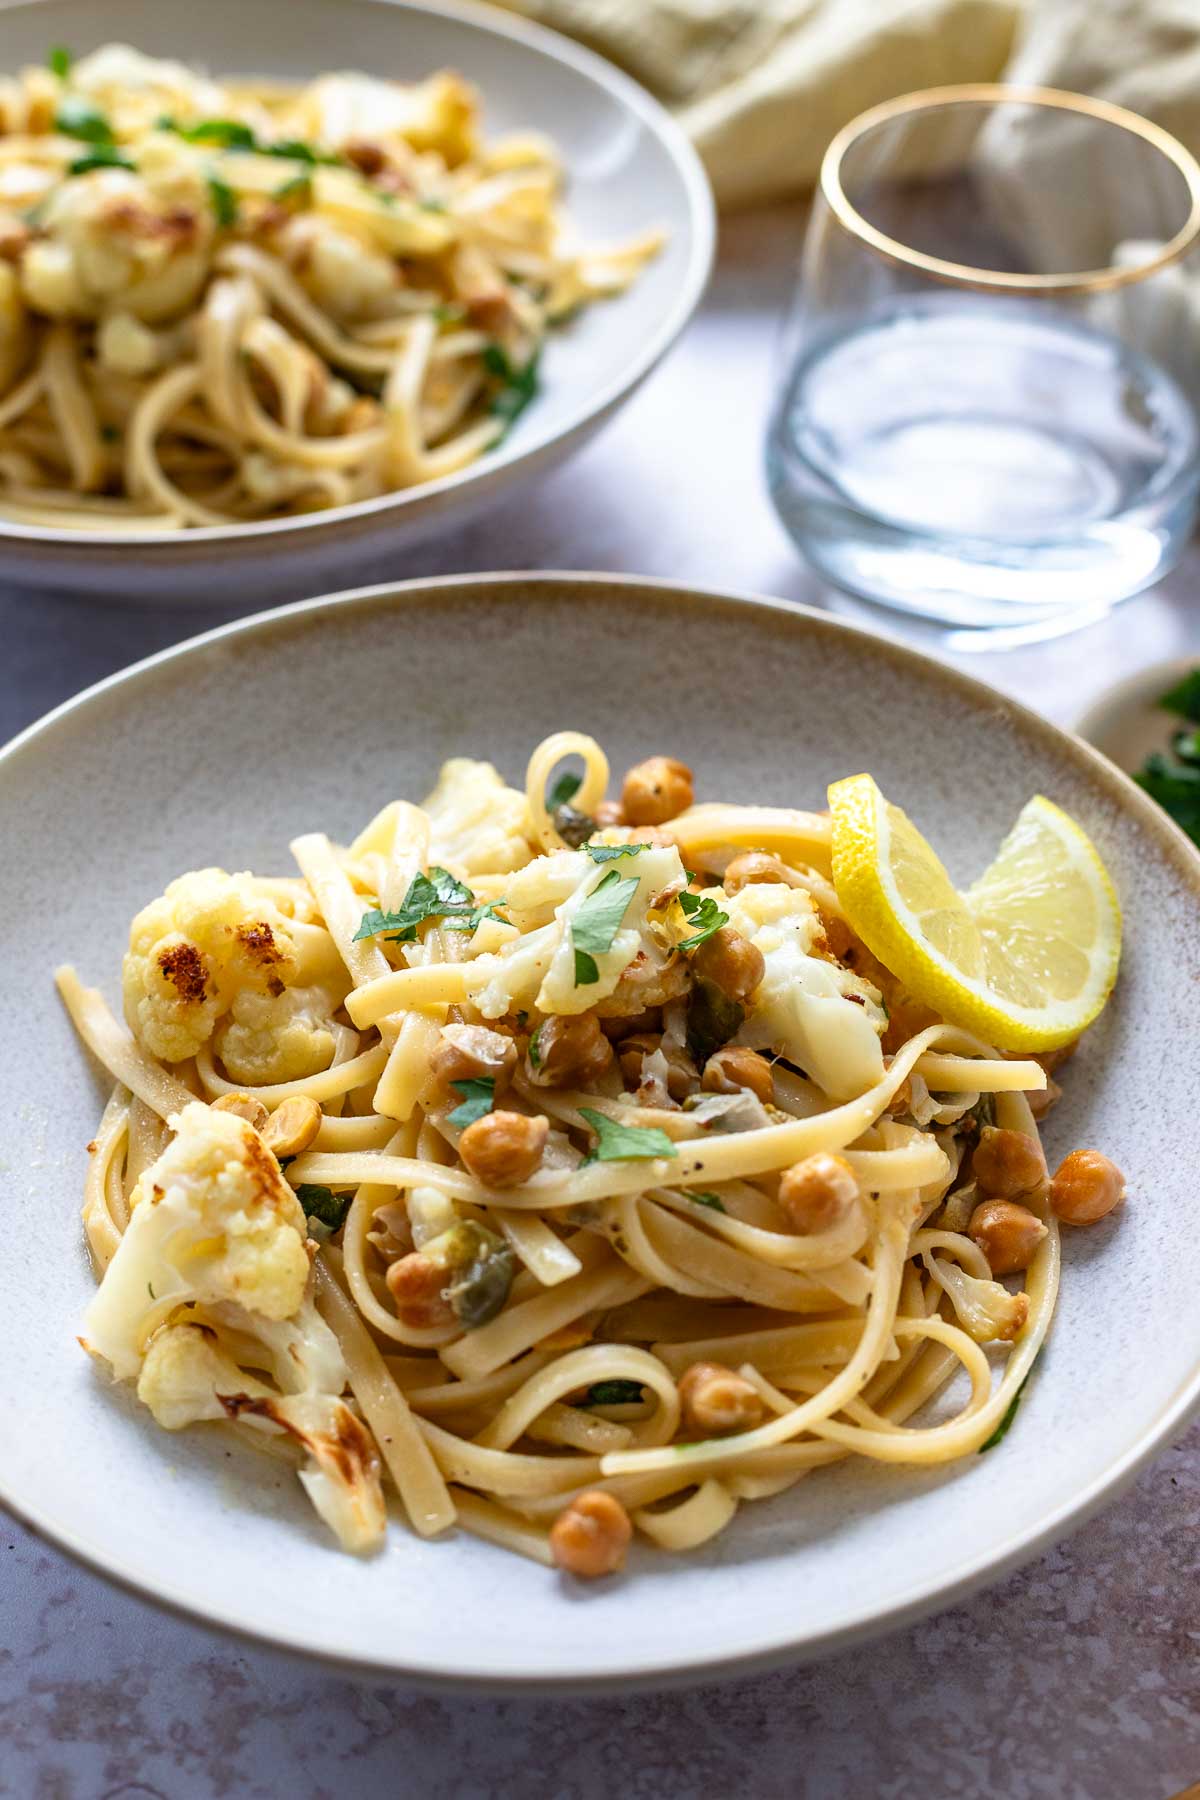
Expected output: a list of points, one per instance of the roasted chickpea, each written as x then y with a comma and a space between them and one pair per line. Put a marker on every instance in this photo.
817, 1193
716, 1399
1007, 1164
568, 1052
1053, 1060
682, 1078
1007, 1234
754, 866
292, 1126
730, 1069
591, 1535
608, 814
656, 790
1085, 1186
416, 1284
242, 1106
504, 1148
731, 962
1042, 1099
466, 1052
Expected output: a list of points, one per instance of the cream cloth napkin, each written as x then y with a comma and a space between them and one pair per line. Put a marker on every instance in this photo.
762, 85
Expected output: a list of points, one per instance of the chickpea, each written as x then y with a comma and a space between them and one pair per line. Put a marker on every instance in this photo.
1042, 1099
242, 1106
656, 790
1007, 1164
716, 1399
1007, 1234
816, 1194
608, 814
754, 865
1053, 1060
591, 1535
293, 1126
733, 1068
464, 1052
1086, 1186
568, 1052
504, 1148
730, 961
632, 1024
416, 1284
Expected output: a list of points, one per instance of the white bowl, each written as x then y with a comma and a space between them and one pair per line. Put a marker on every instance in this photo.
219, 752
629, 169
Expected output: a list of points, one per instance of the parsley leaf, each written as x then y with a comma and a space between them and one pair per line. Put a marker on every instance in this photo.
602, 853
625, 1143
301, 152
1186, 744
562, 790
613, 1393
1184, 698
703, 912
323, 1205
225, 134
78, 118
298, 188
478, 1097
59, 60
104, 156
1002, 1428
224, 201
706, 1199
597, 923
519, 385
436, 895
1176, 787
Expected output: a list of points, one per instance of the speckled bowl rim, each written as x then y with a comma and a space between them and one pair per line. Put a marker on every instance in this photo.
776, 1650
298, 531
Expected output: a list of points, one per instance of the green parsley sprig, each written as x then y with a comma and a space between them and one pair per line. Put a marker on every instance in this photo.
625, 1143
597, 923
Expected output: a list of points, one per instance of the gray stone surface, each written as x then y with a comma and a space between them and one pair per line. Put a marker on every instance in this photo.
1076, 1679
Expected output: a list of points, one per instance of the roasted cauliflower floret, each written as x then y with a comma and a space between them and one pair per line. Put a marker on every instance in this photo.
824, 1018
212, 1221
133, 90
479, 826
193, 951
341, 270
441, 113
278, 1037
113, 238
986, 1310
187, 1378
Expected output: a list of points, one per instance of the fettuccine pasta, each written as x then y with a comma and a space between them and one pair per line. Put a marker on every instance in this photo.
229, 301
565, 1165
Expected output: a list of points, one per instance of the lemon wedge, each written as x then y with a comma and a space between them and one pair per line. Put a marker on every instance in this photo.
1026, 957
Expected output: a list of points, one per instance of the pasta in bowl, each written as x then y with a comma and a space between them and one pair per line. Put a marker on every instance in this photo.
578, 1165
236, 301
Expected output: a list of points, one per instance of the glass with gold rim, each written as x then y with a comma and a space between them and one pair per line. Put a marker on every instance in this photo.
989, 405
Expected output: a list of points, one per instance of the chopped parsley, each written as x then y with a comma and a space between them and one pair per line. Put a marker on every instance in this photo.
225, 134
301, 152
614, 1393
1184, 698
103, 156
519, 386
706, 1199
78, 118
298, 188
1174, 781
224, 201
448, 312
562, 790
535, 1055
478, 1097
602, 853
625, 1143
438, 895
702, 912
433, 206
59, 60
1002, 1428
323, 1205
597, 923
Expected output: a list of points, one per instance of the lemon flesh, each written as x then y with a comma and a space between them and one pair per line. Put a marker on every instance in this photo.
1026, 957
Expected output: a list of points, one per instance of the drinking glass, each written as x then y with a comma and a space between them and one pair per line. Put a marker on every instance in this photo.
990, 388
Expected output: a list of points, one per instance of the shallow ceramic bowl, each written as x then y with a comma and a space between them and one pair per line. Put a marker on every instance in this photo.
222, 750
1127, 722
629, 169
